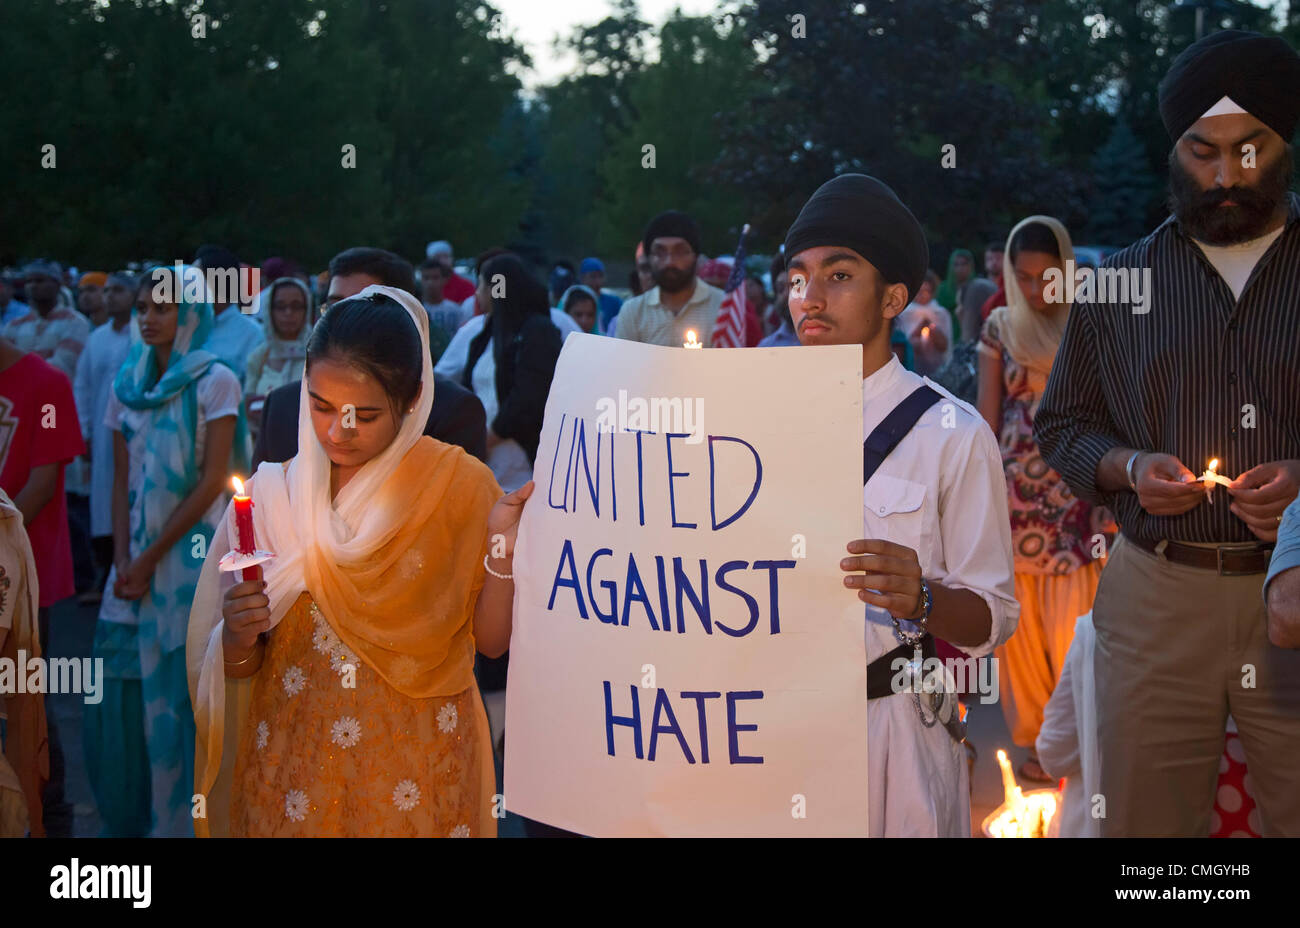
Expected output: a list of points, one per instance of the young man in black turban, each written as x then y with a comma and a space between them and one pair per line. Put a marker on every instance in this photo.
1137, 405
935, 556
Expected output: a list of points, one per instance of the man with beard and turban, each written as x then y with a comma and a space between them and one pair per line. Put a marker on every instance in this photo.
934, 559
679, 301
1143, 394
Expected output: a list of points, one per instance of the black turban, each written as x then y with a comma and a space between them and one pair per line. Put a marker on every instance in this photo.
672, 224
859, 212
1261, 74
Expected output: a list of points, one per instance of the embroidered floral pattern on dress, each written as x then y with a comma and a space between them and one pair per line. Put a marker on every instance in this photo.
342, 659
408, 767
323, 637
460, 831
406, 795
346, 732
294, 680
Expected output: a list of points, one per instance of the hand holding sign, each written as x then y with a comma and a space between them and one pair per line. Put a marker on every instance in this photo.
503, 520
890, 569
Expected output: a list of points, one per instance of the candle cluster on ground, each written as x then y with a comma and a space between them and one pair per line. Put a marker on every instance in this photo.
1021, 815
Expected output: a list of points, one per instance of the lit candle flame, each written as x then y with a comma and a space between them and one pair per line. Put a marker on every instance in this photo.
1020, 816
239, 485
1214, 465
690, 340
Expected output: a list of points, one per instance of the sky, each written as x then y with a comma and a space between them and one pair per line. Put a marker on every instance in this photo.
537, 22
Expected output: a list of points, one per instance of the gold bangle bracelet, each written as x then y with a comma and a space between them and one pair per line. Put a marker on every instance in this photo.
256, 650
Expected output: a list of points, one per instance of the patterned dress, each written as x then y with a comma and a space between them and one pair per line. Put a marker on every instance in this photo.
1052, 531
329, 748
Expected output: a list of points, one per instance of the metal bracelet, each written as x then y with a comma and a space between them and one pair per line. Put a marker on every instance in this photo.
1128, 470
252, 654
922, 621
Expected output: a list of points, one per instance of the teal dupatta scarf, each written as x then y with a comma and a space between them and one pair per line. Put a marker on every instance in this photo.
171, 470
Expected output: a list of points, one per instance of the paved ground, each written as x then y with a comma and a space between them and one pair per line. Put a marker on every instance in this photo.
72, 631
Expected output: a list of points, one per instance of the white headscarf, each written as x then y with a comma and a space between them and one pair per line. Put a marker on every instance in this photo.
292, 509
1031, 338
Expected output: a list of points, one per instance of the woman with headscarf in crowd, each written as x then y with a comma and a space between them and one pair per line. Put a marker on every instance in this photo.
336, 695
523, 346
1052, 531
287, 320
962, 293
179, 432
580, 302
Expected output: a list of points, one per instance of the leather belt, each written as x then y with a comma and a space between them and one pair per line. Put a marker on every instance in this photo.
1226, 560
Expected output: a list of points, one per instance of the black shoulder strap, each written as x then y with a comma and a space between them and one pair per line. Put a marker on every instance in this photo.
886, 436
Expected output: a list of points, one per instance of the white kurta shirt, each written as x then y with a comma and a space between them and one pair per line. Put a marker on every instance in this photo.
942, 493
103, 355
453, 360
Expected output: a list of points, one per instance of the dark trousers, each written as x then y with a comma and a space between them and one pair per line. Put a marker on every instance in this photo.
102, 548
58, 811
83, 561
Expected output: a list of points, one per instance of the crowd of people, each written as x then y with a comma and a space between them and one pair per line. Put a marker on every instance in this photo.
1030, 496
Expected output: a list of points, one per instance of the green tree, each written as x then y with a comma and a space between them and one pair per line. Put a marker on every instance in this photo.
1123, 189
682, 104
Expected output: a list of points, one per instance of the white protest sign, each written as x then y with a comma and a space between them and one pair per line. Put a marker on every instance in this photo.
686, 659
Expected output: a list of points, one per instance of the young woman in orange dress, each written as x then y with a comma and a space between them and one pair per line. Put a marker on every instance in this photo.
337, 695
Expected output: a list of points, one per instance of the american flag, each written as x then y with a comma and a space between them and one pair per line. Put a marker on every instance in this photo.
729, 330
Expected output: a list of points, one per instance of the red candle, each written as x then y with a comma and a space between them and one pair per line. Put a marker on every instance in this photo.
245, 542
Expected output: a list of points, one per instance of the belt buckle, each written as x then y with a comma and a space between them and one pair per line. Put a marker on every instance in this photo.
1218, 554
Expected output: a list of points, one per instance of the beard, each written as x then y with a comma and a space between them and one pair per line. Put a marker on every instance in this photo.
1199, 213
673, 279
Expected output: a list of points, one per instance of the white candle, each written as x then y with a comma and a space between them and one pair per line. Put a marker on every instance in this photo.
1210, 478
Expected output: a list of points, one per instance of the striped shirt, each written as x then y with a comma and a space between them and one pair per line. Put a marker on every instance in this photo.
1200, 375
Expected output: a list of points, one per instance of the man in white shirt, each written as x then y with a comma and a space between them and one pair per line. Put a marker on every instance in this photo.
106, 350
234, 335
935, 556
679, 302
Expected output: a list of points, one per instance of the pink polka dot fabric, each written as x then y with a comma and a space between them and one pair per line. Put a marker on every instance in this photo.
1234, 815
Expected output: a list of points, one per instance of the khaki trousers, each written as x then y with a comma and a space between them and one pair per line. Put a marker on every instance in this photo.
1178, 649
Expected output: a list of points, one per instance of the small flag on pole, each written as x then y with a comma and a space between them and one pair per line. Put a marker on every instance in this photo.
729, 330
